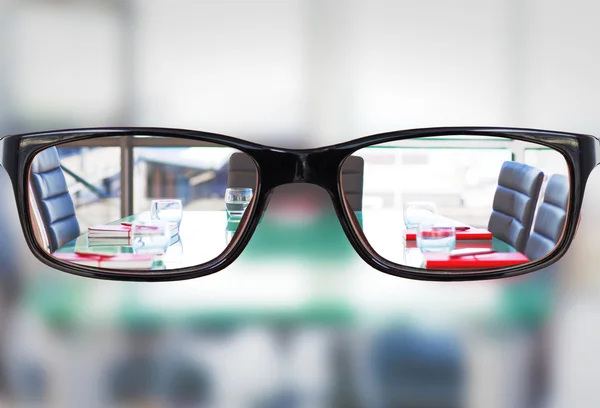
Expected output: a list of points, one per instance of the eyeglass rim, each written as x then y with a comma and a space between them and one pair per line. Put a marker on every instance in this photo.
581, 152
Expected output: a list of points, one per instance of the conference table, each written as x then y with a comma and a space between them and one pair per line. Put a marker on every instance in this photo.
204, 235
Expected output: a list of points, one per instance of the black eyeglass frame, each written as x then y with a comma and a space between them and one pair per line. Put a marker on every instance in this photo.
321, 166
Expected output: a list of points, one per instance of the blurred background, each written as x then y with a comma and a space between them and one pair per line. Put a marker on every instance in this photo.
310, 325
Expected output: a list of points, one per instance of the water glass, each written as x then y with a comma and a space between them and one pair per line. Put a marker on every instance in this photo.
230, 231
436, 235
169, 210
152, 237
173, 257
417, 212
237, 200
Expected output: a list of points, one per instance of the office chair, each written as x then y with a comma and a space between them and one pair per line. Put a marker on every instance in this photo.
54, 206
352, 181
550, 219
515, 202
242, 172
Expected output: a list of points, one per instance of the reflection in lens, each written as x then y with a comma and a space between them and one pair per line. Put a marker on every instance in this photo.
506, 201
179, 194
437, 235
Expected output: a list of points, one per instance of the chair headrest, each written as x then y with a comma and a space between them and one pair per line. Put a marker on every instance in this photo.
520, 177
46, 160
557, 191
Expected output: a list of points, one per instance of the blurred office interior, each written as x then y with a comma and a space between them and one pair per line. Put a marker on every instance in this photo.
312, 325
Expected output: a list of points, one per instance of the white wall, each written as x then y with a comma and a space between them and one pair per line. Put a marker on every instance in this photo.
299, 72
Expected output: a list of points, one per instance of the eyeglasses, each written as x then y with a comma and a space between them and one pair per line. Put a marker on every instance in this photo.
442, 204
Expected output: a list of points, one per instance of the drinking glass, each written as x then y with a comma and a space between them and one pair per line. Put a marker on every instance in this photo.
417, 212
237, 200
150, 237
173, 257
230, 230
169, 210
436, 235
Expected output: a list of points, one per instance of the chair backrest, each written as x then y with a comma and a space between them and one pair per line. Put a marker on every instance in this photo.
242, 173
352, 181
52, 199
550, 219
515, 202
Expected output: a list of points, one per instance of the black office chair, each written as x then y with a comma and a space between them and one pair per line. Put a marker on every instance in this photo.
515, 202
550, 220
353, 171
52, 200
242, 173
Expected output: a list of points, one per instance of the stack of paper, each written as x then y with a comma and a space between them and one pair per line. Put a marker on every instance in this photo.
109, 235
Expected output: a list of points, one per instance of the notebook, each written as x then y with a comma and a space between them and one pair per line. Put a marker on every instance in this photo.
438, 260
460, 244
114, 261
467, 235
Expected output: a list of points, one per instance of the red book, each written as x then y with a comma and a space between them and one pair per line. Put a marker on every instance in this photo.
467, 235
436, 260
99, 260
482, 243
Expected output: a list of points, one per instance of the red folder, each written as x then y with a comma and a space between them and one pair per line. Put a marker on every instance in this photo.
483, 243
436, 260
470, 234
125, 261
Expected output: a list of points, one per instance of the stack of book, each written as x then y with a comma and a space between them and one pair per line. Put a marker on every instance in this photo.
109, 235
113, 235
